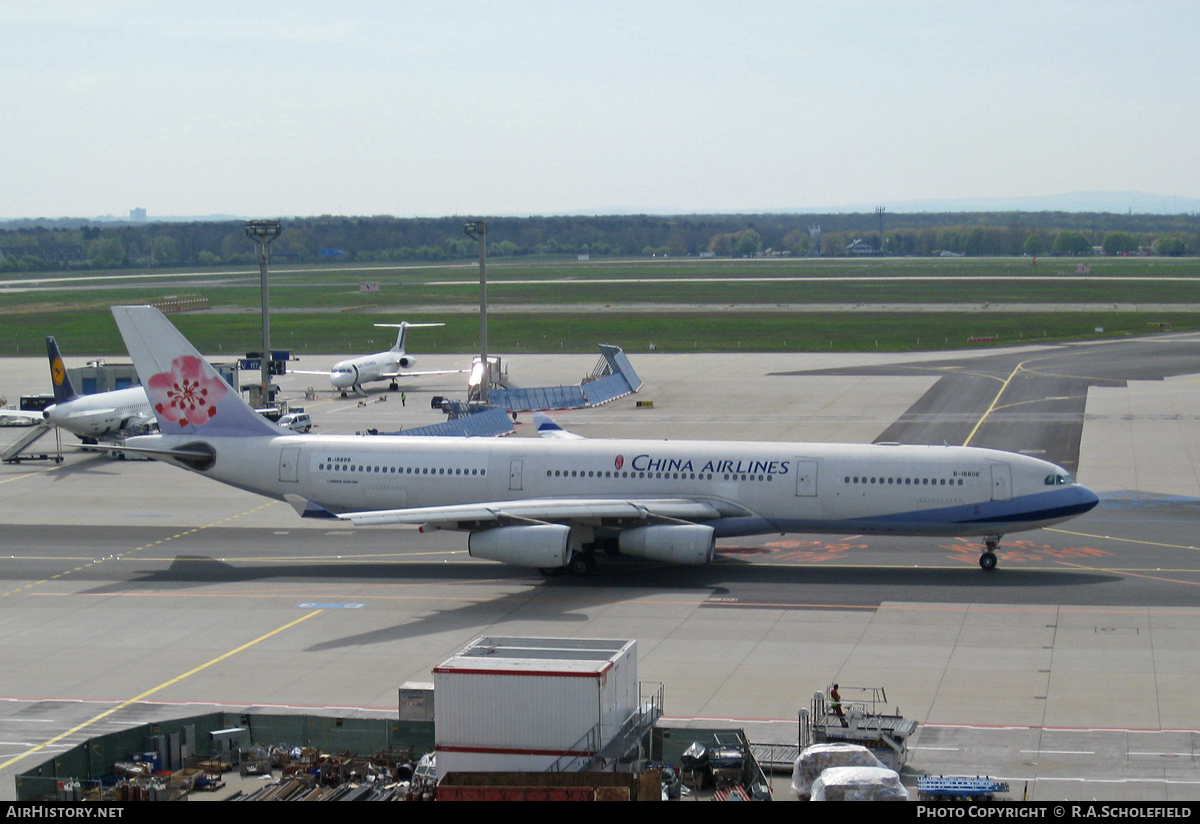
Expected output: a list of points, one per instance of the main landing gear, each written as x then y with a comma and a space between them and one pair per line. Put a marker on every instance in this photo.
988, 559
581, 563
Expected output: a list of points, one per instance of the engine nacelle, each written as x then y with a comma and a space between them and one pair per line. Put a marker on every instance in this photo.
537, 545
677, 544
406, 362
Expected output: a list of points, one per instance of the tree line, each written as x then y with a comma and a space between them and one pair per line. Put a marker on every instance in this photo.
41, 245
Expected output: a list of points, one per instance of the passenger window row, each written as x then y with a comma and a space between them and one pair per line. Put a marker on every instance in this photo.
685, 476
400, 470
904, 481
579, 473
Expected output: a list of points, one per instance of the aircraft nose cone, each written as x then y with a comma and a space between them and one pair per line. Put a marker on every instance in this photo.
1088, 499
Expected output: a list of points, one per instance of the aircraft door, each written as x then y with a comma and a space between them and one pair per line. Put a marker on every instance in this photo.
806, 478
1001, 482
289, 461
514, 473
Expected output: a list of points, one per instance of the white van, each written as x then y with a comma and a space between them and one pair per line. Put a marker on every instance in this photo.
296, 421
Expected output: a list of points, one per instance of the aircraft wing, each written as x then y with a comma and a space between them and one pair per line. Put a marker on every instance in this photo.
324, 372
593, 511
419, 374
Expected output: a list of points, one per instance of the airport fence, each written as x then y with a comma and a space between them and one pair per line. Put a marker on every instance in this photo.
90, 763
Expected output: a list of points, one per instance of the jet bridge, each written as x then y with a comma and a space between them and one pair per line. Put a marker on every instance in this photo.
613, 377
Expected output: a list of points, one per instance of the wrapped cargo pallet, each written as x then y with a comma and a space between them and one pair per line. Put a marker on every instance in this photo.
859, 784
817, 758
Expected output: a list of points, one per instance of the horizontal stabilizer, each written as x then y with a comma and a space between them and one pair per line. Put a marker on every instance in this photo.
27, 414
198, 454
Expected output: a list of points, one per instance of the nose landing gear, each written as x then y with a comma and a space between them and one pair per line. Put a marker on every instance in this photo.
988, 559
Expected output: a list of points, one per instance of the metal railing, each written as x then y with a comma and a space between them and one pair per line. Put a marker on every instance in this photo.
595, 745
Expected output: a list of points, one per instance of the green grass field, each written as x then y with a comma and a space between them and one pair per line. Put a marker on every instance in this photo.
77, 312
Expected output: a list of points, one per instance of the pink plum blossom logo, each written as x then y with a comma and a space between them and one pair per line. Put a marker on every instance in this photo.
185, 395
619, 462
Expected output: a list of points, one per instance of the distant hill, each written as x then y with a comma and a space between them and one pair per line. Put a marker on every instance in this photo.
1114, 202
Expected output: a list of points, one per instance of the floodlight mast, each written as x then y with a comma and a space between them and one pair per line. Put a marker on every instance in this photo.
477, 230
263, 232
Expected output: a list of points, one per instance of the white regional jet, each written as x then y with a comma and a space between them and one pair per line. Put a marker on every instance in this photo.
92, 418
551, 503
382, 366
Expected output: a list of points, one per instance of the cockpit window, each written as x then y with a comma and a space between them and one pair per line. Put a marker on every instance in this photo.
1059, 479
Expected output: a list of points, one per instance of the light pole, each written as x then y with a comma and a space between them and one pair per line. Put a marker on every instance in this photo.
263, 232
477, 230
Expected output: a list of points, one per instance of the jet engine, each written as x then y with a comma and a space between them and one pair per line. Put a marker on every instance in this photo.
406, 362
675, 544
538, 545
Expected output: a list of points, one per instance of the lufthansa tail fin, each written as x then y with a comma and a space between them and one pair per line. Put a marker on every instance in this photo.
404, 326
188, 396
63, 390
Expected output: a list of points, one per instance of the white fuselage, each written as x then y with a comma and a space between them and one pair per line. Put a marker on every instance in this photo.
357, 371
758, 487
103, 414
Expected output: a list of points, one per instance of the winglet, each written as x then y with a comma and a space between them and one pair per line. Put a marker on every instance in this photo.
547, 428
307, 509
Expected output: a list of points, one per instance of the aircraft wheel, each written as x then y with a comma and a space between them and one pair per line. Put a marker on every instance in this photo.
581, 564
987, 561
59, 459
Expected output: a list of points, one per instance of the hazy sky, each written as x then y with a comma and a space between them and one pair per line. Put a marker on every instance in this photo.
437, 108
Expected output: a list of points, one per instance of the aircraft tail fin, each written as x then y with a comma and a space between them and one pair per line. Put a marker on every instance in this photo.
63, 390
188, 396
404, 326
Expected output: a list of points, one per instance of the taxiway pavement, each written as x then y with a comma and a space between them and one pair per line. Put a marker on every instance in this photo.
127, 586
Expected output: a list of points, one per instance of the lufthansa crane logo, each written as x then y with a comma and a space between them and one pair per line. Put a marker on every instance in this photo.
57, 373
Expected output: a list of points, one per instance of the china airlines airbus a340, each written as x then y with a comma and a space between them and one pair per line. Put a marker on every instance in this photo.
552, 503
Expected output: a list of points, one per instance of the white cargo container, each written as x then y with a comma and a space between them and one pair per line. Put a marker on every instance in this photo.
523, 703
